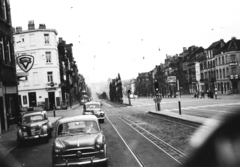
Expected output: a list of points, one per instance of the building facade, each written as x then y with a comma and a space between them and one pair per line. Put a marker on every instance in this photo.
227, 60
9, 109
41, 87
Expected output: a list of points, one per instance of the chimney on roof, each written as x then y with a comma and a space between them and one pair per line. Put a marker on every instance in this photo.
184, 49
31, 25
233, 38
18, 29
60, 40
42, 26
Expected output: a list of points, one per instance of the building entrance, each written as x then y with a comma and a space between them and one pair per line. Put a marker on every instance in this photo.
32, 99
51, 98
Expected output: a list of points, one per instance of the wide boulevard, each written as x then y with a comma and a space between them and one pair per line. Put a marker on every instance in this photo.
128, 146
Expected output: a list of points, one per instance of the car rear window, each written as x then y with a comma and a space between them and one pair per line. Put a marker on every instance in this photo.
32, 118
92, 106
78, 127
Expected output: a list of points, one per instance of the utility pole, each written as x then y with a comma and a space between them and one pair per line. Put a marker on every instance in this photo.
179, 98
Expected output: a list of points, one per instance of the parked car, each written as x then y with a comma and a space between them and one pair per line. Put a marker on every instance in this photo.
94, 108
79, 141
34, 124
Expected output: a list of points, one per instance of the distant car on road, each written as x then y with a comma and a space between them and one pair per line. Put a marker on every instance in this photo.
79, 141
132, 96
34, 124
94, 108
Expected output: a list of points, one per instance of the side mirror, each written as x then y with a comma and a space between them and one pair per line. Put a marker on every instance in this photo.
218, 146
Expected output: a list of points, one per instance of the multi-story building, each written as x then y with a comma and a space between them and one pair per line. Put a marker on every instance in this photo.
42, 84
9, 108
227, 60
210, 64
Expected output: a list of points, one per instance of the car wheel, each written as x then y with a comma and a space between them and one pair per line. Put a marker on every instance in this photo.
102, 120
46, 139
105, 164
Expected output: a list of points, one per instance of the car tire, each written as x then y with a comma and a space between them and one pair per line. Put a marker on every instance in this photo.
104, 164
102, 120
46, 139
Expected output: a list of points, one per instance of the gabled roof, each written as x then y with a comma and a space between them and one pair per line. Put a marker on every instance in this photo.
231, 45
216, 45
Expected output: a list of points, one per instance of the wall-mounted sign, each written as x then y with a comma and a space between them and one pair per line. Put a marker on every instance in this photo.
234, 77
171, 79
233, 64
25, 62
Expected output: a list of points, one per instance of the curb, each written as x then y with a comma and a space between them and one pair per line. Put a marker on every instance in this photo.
175, 117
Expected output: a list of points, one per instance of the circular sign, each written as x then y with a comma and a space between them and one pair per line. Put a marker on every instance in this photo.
51, 84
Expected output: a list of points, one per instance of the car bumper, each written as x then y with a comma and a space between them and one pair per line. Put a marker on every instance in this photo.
33, 137
83, 162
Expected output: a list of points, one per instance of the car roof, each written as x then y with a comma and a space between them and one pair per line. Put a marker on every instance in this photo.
34, 113
93, 102
78, 118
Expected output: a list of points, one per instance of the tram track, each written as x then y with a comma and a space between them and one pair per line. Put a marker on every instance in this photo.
174, 153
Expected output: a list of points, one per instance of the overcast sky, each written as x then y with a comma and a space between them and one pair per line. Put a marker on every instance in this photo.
130, 36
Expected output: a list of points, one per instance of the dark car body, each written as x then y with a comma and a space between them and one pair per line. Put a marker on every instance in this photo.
78, 141
34, 125
94, 108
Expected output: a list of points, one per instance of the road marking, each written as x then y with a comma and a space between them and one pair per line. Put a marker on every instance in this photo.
140, 163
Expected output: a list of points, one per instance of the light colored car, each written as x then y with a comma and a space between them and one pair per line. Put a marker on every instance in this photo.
33, 125
94, 108
79, 141
132, 96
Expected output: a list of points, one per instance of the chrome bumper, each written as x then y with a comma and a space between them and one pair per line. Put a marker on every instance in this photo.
34, 137
85, 162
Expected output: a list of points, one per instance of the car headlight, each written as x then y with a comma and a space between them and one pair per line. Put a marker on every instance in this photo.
58, 147
100, 141
95, 112
23, 128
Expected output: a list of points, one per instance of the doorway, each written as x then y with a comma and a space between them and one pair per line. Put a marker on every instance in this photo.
51, 98
235, 86
32, 99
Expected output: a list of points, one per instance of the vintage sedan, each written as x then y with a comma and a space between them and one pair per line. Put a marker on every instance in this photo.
79, 141
94, 108
33, 125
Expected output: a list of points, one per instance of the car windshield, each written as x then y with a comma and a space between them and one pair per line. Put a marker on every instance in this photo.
92, 106
32, 118
71, 128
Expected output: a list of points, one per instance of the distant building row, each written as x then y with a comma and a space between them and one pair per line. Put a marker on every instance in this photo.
216, 68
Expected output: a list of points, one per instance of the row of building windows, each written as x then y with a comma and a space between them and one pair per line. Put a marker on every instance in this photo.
220, 74
219, 61
6, 51
32, 40
225, 59
5, 10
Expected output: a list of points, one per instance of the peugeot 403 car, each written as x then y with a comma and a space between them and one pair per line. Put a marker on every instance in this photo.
79, 141
94, 108
34, 124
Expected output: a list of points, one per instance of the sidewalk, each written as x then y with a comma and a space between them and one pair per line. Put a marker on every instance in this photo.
8, 140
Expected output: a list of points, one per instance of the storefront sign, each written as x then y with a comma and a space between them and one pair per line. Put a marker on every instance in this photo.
11, 90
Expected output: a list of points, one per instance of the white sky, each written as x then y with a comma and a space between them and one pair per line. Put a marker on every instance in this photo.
125, 35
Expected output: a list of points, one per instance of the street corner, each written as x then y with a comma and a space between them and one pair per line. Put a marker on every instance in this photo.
7, 146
